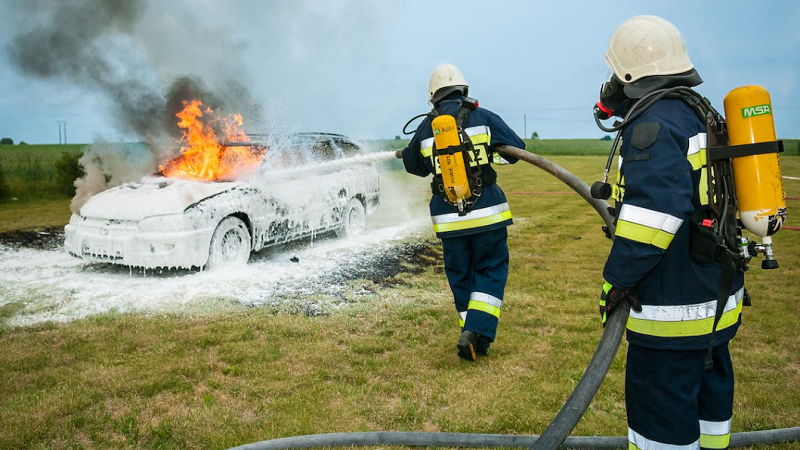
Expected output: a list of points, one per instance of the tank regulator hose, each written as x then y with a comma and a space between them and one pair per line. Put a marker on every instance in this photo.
557, 433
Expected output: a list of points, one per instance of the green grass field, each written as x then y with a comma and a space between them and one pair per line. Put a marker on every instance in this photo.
241, 375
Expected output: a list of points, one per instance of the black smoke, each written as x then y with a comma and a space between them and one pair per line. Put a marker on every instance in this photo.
93, 44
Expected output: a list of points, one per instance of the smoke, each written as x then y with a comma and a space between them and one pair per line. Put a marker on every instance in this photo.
108, 164
115, 48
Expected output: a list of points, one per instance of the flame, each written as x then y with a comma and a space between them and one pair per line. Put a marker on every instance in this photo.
203, 156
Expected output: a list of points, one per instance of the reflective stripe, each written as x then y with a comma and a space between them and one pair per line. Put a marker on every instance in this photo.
638, 442
685, 320
715, 428
697, 155
426, 147
482, 301
697, 143
480, 134
488, 309
475, 219
647, 226
462, 318
650, 218
715, 434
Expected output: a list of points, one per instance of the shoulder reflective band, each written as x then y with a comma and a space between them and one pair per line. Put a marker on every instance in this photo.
697, 151
715, 434
647, 226
475, 219
685, 320
426, 147
480, 301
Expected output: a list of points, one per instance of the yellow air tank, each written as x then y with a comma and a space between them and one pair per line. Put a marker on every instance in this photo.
454, 173
759, 187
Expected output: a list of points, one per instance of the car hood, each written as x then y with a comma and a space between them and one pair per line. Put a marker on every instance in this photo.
151, 197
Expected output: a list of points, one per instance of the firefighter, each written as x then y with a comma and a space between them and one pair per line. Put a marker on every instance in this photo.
679, 374
473, 237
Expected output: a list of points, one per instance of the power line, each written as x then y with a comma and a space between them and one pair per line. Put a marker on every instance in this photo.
62, 124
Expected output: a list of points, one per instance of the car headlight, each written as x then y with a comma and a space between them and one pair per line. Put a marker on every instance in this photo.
168, 222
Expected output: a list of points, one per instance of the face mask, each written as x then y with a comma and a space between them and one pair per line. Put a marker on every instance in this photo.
611, 95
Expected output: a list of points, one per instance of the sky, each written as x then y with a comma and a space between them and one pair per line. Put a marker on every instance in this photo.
106, 70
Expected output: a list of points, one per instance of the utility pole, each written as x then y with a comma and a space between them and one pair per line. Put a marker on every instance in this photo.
62, 124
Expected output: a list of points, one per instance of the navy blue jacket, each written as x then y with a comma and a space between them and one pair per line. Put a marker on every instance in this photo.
659, 190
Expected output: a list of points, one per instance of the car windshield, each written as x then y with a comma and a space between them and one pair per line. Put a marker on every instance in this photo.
295, 150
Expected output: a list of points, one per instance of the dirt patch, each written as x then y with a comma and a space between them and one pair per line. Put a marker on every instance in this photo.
44, 239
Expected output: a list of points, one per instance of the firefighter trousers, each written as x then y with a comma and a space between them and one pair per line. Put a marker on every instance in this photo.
671, 400
476, 266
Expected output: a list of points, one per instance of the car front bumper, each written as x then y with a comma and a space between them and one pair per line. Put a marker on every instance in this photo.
123, 243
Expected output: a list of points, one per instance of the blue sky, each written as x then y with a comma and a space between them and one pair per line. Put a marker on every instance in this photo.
361, 68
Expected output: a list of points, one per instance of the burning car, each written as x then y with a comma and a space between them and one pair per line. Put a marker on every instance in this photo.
301, 185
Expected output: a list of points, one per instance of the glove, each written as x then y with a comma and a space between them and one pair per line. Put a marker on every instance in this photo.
611, 95
398, 154
611, 297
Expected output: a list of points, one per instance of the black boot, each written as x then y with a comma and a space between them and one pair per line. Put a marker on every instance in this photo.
466, 345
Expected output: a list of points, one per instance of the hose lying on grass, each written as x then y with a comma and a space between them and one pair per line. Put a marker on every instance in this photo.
557, 433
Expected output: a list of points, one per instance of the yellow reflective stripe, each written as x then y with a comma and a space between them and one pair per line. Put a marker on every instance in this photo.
482, 138
618, 189
712, 441
472, 223
697, 327
643, 234
698, 159
476, 305
703, 187
715, 434
462, 318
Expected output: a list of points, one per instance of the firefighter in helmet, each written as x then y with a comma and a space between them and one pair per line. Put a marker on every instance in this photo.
472, 230
679, 374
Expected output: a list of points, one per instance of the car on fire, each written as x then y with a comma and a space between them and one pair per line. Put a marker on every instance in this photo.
307, 184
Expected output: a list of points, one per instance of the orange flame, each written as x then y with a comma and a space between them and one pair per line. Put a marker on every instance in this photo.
203, 156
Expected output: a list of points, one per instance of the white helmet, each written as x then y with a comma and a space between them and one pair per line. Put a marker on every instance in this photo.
644, 46
446, 76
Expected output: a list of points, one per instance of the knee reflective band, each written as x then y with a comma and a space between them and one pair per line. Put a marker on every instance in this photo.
556, 433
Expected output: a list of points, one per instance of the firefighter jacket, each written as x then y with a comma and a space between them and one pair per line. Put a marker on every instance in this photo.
661, 169
486, 130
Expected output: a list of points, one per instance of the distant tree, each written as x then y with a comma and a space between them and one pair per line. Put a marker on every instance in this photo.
535, 135
397, 137
6, 141
22, 143
68, 169
3, 185
605, 138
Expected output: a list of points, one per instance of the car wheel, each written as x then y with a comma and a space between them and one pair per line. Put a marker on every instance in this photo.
230, 244
353, 219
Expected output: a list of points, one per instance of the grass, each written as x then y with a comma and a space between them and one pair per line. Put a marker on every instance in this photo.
244, 375
30, 170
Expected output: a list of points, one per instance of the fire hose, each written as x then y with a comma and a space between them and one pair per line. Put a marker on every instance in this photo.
557, 433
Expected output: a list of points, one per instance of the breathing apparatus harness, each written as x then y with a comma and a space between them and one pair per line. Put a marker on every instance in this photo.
715, 233
477, 175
